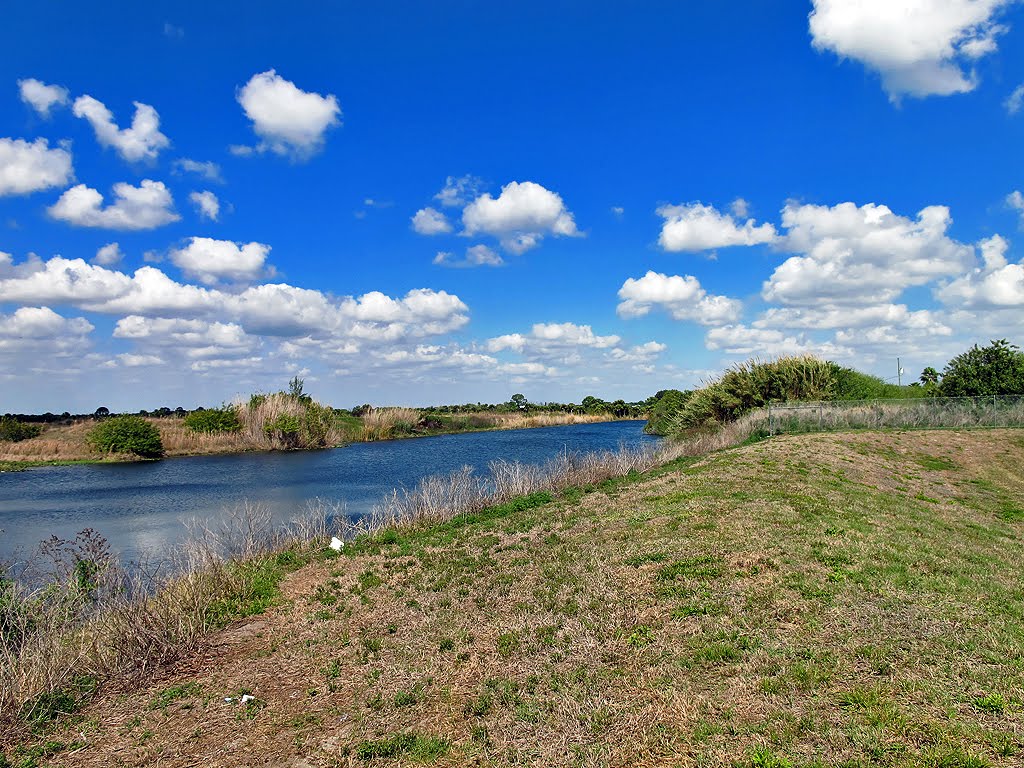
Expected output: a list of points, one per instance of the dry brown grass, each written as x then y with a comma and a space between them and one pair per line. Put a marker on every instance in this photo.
808, 601
382, 423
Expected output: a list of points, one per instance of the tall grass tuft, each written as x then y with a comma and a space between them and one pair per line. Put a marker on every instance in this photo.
281, 421
388, 423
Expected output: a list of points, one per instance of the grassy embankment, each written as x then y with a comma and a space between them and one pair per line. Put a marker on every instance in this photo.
812, 600
68, 444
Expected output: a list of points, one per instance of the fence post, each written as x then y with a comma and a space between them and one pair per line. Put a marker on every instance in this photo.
771, 427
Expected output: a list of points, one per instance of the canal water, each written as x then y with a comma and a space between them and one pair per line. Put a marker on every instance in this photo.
142, 508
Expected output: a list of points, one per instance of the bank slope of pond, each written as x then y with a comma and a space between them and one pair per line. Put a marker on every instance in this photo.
813, 600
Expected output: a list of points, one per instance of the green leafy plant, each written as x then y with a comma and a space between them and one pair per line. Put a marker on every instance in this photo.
13, 431
213, 420
127, 434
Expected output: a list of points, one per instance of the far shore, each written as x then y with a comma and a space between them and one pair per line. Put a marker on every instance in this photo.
67, 444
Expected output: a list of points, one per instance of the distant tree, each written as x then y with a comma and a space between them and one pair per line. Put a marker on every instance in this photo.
101, 412
519, 402
929, 376
997, 369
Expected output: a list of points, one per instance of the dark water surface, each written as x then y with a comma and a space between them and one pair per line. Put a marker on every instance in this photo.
141, 508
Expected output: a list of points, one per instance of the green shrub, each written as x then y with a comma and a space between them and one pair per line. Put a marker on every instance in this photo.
997, 369
285, 428
753, 384
127, 434
668, 403
13, 431
213, 420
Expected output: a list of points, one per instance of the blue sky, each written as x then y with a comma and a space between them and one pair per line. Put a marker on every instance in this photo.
450, 202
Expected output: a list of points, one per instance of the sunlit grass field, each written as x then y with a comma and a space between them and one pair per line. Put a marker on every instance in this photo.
813, 600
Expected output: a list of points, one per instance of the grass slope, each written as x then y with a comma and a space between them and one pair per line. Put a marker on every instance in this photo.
840, 600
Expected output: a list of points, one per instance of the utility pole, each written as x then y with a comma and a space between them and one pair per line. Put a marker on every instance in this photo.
899, 373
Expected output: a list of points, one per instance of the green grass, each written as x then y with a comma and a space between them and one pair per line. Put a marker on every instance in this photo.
813, 601
416, 746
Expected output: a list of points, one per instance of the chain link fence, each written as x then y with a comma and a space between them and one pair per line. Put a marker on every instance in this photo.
908, 413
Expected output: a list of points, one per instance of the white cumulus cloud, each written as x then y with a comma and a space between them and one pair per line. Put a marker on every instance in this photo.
142, 141
210, 261
698, 227
288, 120
206, 203
520, 216
853, 254
147, 206
108, 255
430, 221
994, 284
31, 166
682, 297
42, 97
919, 47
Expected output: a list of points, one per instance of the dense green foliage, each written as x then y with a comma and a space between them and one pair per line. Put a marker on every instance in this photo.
750, 385
854, 385
213, 420
667, 403
997, 369
13, 431
127, 434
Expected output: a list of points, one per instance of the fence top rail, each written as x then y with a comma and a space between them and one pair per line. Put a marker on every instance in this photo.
926, 401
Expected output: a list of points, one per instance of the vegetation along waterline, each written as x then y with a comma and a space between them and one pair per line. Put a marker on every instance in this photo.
846, 599
290, 420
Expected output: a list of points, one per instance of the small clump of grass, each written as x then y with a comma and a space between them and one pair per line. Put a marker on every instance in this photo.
175, 693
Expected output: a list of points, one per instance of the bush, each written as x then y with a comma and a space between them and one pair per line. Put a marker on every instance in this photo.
997, 369
13, 431
285, 429
127, 434
669, 402
213, 420
753, 384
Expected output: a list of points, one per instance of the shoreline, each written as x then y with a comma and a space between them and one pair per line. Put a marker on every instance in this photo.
22, 465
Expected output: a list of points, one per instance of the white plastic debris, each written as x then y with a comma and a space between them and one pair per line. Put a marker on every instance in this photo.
246, 698
336, 544
229, 699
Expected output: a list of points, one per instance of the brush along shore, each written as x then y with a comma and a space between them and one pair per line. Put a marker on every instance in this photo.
70, 444
811, 600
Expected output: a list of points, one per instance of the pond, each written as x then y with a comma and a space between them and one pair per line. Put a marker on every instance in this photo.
142, 508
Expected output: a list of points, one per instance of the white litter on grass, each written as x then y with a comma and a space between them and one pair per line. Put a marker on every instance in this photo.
246, 698
336, 544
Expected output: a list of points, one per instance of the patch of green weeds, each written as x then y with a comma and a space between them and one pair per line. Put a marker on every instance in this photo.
175, 693
414, 745
651, 557
993, 703
508, 644
641, 636
936, 463
44, 708
699, 567
408, 698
